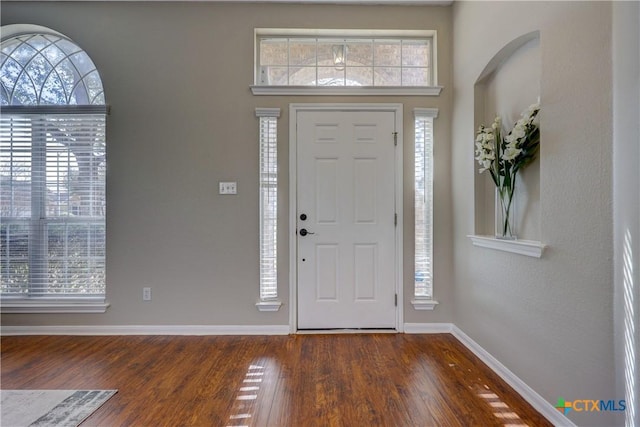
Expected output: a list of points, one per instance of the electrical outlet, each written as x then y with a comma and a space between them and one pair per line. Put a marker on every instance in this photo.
146, 294
228, 188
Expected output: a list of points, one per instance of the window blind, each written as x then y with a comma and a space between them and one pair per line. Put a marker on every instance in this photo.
268, 162
52, 205
423, 205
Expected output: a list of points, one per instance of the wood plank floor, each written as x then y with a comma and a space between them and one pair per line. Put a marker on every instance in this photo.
299, 380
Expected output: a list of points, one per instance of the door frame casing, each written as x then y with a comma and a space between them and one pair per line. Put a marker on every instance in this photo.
294, 108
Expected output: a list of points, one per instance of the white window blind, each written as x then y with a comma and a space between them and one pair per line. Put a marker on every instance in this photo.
268, 161
424, 202
52, 205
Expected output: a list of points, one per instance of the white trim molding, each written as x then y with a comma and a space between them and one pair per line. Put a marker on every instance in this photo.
267, 112
425, 112
423, 304
350, 2
147, 330
347, 90
428, 328
14, 307
530, 395
523, 247
269, 306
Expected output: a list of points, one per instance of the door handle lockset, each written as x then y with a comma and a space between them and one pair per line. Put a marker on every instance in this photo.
303, 232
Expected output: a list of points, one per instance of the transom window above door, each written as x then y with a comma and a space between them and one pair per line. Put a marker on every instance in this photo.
331, 62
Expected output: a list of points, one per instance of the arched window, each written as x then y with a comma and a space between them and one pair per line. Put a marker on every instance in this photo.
52, 171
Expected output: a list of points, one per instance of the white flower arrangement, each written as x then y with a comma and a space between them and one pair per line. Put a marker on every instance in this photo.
503, 157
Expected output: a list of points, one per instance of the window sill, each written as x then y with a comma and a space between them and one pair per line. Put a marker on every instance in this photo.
523, 247
424, 304
268, 305
14, 307
348, 90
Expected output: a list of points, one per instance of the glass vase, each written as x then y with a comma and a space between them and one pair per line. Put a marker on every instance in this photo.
505, 215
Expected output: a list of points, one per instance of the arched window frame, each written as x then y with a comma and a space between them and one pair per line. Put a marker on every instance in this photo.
53, 165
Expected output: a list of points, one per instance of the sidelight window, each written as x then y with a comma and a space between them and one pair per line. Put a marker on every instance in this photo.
423, 202
268, 180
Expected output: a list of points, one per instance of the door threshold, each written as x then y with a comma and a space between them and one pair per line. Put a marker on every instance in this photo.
347, 331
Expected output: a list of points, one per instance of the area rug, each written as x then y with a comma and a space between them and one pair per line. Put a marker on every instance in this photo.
59, 408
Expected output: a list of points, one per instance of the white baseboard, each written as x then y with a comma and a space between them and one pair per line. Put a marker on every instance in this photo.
428, 328
533, 398
148, 330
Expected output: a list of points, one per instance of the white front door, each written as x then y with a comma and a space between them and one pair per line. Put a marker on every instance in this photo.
346, 256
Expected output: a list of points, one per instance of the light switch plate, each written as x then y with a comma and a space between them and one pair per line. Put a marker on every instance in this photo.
228, 188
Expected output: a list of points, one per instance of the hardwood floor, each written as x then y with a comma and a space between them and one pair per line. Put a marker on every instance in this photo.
299, 380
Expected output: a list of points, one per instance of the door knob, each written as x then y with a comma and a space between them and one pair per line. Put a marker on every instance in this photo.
303, 232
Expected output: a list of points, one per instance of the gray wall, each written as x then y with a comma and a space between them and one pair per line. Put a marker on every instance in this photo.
177, 77
549, 320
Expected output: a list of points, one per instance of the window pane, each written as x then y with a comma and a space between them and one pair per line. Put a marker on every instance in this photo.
358, 61
415, 77
68, 47
268, 152
303, 76
359, 76
52, 170
273, 52
387, 53
325, 52
93, 85
276, 76
38, 70
329, 76
15, 168
14, 258
360, 53
302, 52
386, 76
11, 71
423, 155
75, 261
23, 54
24, 92
53, 54
53, 91
415, 53
47, 69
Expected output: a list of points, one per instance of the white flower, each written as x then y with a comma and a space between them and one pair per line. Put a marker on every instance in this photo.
536, 121
486, 165
533, 108
531, 114
518, 131
497, 123
511, 152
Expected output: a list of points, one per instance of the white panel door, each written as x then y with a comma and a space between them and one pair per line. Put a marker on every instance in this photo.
345, 219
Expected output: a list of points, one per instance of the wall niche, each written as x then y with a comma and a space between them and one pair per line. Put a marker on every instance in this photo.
506, 87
